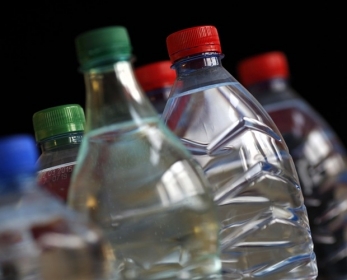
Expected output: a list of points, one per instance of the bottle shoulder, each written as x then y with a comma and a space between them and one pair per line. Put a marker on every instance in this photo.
268, 96
296, 107
303, 126
135, 137
221, 105
142, 151
286, 105
221, 111
31, 202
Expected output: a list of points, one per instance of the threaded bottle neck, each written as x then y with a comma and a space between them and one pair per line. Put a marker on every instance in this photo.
62, 141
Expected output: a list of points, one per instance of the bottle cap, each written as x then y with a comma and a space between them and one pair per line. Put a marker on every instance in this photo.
102, 45
192, 41
58, 120
262, 67
155, 75
18, 154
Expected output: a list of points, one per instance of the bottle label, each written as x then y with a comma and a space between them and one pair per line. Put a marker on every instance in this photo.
57, 179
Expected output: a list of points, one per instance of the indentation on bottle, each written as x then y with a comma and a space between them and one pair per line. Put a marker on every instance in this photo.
238, 128
254, 175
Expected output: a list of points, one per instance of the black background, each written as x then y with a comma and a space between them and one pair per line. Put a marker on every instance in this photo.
39, 65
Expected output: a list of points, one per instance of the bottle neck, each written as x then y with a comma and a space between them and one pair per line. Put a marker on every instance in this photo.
113, 95
186, 65
275, 84
61, 141
199, 71
272, 90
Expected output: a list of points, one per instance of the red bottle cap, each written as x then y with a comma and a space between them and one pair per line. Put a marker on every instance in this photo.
155, 75
262, 67
192, 41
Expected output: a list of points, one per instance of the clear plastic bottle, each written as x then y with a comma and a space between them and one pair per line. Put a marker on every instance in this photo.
58, 132
40, 238
318, 153
134, 178
156, 79
264, 230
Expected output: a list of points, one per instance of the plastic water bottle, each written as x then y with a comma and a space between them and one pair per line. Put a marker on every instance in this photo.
40, 238
264, 228
156, 79
134, 178
58, 132
318, 153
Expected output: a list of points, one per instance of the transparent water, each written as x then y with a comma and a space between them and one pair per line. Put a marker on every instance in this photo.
321, 163
151, 201
41, 240
264, 228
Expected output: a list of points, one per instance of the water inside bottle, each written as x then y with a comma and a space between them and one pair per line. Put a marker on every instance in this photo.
264, 227
41, 240
151, 202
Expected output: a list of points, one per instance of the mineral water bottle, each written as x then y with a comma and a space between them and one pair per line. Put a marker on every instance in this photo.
318, 154
156, 79
134, 178
264, 228
40, 238
58, 132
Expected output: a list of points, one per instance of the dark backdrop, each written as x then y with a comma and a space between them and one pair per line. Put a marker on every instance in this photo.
39, 68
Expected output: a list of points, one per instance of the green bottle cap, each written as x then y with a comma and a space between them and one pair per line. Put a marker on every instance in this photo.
58, 120
99, 46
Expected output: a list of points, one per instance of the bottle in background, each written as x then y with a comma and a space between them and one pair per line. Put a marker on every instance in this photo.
134, 178
318, 153
58, 132
40, 238
156, 79
264, 230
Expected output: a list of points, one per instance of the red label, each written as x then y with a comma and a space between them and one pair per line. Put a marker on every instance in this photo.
57, 179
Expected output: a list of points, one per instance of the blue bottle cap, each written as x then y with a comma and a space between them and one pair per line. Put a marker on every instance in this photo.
18, 155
